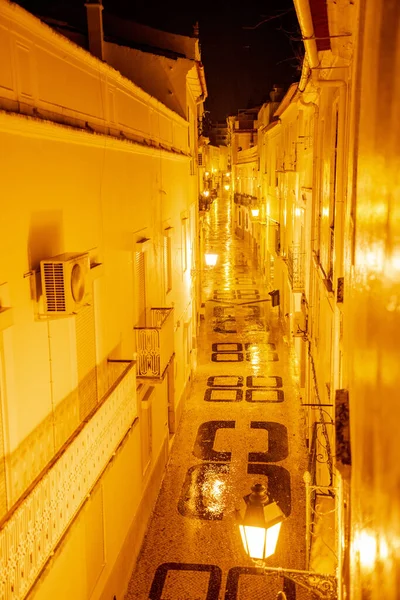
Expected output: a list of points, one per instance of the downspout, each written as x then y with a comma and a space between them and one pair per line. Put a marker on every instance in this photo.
305, 73
202, 79
311, 59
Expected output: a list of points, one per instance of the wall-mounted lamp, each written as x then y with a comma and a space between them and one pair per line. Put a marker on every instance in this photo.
227, 187
206, 193
259, 524
255, 212
210, 259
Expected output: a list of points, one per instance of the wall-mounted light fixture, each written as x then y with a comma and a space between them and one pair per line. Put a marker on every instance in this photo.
255, 212
210, 259
260, 521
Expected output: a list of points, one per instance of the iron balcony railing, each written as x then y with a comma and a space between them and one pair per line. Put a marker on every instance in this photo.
295, 263
245, 199
155, 343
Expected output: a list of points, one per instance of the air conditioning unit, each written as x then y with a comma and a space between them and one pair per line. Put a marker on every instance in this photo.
65, 283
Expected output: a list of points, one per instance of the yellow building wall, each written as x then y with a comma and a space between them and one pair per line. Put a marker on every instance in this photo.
372, 319
78, 200
68, 189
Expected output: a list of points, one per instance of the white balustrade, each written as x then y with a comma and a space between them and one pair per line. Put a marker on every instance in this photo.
29, 537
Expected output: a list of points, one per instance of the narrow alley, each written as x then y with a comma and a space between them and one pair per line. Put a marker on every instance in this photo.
242, 424
159, 414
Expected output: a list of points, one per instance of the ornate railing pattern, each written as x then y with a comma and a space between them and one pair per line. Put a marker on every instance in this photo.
320, 479
155, 344
317, 512
295, 265
33, 530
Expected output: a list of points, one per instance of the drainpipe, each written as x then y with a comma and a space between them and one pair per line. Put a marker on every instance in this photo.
311, 59
94, 9
305, 73
202, 79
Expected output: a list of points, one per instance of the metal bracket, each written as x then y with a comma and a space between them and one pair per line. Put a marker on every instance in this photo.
323, 585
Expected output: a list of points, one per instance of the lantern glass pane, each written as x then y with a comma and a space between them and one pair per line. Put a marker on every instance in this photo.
243, 536
272, 539
255, 538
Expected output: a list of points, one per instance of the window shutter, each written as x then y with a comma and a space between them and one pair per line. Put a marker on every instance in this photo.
86, 360
140, 288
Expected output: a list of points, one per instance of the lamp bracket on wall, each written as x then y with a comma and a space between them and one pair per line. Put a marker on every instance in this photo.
322, 585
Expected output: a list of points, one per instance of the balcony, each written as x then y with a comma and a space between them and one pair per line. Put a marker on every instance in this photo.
155, 343
295, 263
245, 199
32, 530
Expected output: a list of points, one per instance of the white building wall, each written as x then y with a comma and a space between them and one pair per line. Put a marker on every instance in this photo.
92, 164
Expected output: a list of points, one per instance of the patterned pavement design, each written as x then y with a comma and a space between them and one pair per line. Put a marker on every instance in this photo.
242, 424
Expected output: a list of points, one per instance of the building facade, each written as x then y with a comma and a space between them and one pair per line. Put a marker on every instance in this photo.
99, 203
325, 202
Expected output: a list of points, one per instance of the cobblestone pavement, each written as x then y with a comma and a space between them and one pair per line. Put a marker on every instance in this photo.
241, 425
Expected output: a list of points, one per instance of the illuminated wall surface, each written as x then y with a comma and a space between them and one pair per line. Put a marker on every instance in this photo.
90, 164
373, 319
327, 238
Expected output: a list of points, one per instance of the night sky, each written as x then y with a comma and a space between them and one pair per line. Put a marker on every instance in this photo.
241, 65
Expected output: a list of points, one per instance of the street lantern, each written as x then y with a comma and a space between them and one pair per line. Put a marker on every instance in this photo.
260, 523
210, 259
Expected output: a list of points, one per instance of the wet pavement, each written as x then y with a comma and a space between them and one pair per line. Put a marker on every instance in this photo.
242, 424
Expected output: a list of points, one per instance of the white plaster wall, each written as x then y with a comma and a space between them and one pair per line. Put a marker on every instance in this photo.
60, 197
43, 71
161, 77
372, 319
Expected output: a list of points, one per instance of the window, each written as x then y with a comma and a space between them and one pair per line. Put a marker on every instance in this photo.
184, 243
167, 263
189, 125
86, 360
140, 288
146, 426
334, 176
3, 482
187, 343
191, 138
